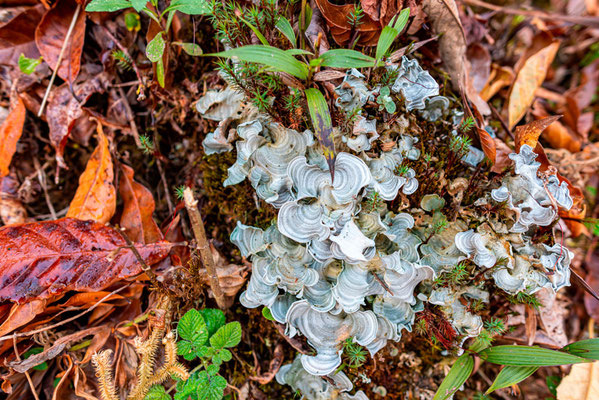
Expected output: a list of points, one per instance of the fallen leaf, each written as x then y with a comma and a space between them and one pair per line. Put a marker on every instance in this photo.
499, 78
137, 209
488, 144
502, 156
479, 61
10, 133
42, 259
592, 279
381, 10
51, 33
582, 383
18, 36
64, 110
232, 277
556, 134
21, 314
12, 210
552, 315
531, 324
528, 79
529, 134
95, 198
338, 23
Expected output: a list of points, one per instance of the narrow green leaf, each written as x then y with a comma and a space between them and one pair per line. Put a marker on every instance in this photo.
284, 26
525, 356
107, 5
155, 49
273, 57
191, 7
346, 58
585, 348
459, 372
298, 52
192, 49
139, 4
511, 375
28, 65
257, 32
227, 336
160, 72
390, 33
192, 327
323, 127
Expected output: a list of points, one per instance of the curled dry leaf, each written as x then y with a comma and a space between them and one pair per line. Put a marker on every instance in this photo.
10, 133
381, 10
51, 34
499, 78
557, 134
529, 134
529, 78
21, 314
488, 144
581, 383
232, 277
17, 36
44, 259
64, 110
12, 210
137, 210
95, 198
338, 23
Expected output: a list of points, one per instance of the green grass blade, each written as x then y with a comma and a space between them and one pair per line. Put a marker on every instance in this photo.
345, 58
284, 26
511, 375
459, 372
390, 33
273, 57
323, 126
585, 348
259, 34
525, 356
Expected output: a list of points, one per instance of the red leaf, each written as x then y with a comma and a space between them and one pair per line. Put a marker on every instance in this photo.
18, 36
341, 30
488, 144
43, 259
51, 33
10, 133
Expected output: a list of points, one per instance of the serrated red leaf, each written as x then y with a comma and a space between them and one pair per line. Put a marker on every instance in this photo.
43, 259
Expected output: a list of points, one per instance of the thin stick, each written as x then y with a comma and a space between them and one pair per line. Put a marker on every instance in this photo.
29, 380
60, 55
41, 177
202, 245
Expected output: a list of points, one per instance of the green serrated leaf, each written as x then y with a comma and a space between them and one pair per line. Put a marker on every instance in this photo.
346, 58
391, 32
185, 349
192, 7
28, 65
192, 327
192, 49
155, 49
511, 375
107, 5
227, 336
585, 348
212, 369
210, 387
267, 314
273, 57
459, 372
188, 388
214, 319
139, 5
321, 121
284, 26
202, 351
525, 356
157, 392
225, 355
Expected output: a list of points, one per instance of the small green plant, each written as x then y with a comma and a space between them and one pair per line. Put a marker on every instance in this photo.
205, 337
385, 101
466, 125
354, 355
456, 276
28, 65
374, 201
524, 298
355, 16
147, 145
179, 190
460, 145
122, 59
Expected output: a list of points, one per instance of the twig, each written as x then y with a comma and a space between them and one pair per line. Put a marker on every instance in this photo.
41, 177
59, 61
169, 202
23, 334
140, 89
18, 357
203, 246
130, 116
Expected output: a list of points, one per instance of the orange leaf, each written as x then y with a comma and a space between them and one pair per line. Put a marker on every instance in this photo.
95, 198
43, 259
338, 23
138, 209
51, 33
488, 144
21, 314
528, 79
10, 133
500, 78
529, 133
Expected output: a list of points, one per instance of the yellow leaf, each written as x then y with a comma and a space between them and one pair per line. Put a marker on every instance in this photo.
95, 198
581, 384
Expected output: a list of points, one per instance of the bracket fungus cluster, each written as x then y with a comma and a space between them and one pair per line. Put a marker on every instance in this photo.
335, 265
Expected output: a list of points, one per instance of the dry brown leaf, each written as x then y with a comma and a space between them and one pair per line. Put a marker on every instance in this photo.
557, 134
488, 144
502, 159
50, 36
381, 10
528, 79
18, 36
529, 134
21, 314
531, 324
95, 198
10, 133
338, 23
582, 383
500, 77
137, 210
12, 210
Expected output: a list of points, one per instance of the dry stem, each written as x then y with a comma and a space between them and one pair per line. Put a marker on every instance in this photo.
203, 246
